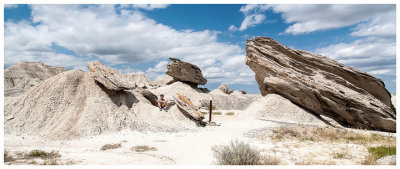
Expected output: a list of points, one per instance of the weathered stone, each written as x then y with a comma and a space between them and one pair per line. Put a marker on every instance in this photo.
22, 76
165, 80
139, 79
185, 72
149, 96
387, 160
243, 92
186, 107
224, 89
321, 85
111, 78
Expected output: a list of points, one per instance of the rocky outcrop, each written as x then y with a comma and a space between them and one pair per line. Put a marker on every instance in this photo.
185, 72
165, 80
225, 89
387, 160
110, 78
139, 80
149, 96
22, 76
321, 85
71, 104
186, 106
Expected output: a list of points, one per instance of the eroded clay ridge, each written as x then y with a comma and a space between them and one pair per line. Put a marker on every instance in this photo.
321, 85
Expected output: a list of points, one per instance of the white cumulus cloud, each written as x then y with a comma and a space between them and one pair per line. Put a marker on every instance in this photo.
100, 32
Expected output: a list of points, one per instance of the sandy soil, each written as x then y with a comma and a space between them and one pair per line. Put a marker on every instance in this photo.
187, 147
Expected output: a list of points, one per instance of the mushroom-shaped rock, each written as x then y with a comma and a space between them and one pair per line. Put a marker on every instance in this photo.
110, 78
321, 85
185, 72
186, 107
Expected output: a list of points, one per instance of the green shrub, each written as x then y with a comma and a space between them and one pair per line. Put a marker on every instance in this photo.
240, 153
376, 153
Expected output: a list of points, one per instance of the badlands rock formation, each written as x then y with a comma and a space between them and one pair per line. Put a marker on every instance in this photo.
139, 80
185, 72
74, 104
111, 78
321, 85
22, 76
225, 89
165, 80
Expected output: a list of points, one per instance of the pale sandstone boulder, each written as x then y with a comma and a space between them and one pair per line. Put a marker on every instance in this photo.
321, 85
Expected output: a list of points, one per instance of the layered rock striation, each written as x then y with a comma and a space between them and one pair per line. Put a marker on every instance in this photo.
321, 85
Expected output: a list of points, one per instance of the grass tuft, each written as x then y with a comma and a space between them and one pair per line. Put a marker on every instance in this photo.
143, 148
240, 153
230, 113
110, 146
43, 154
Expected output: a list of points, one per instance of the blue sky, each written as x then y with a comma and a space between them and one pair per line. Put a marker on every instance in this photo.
140, 38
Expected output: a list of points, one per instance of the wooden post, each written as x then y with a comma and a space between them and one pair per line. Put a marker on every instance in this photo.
210, 111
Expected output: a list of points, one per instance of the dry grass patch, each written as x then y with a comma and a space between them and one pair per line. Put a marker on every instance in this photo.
43, 154
340, 155
110, 146
230, 113
330, 134
143, 148
49, 158
240, 153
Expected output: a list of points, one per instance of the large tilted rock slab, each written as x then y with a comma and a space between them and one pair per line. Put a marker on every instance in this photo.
186, 106
185, 72
22, 76
111, 78
321, 85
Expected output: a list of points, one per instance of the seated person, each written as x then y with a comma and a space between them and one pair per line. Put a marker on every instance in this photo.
162, 103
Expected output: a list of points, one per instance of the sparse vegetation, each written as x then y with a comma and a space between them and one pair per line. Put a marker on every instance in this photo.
43, 154
110, 146
376, 153
214, 113
340, 155
7, 156
240, 153
217, 113
212, 108
230, 113
330, 134
143, 148
51, 161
